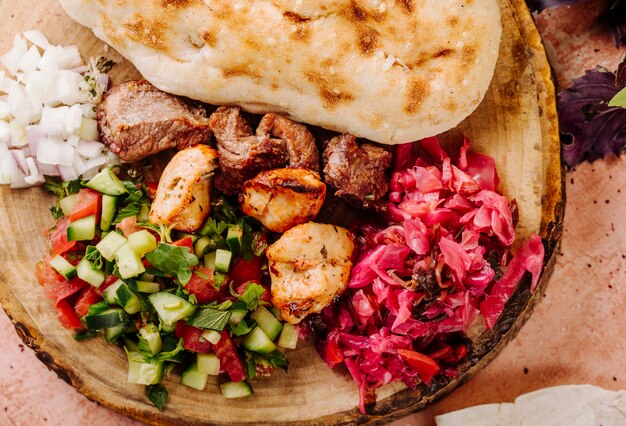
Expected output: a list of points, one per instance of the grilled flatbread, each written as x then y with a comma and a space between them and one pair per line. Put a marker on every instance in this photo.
391, 71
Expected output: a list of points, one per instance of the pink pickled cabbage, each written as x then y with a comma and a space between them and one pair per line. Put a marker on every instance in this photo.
421, 281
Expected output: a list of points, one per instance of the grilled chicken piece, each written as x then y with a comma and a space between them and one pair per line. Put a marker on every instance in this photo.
309, 266
299, 141
182, 198
356, 172
136, 120
283, 198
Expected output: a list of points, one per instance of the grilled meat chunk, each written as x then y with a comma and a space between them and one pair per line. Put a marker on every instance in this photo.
182, 198
283, 198
278, 142
136, 120
299, 141
357, 173
309, 265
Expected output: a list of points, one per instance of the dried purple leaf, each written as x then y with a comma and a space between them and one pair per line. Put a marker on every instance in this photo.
584, 114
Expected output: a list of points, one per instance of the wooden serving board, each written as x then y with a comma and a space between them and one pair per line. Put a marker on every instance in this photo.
516, 123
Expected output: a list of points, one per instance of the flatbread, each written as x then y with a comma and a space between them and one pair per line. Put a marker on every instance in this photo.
573, 405
391, 71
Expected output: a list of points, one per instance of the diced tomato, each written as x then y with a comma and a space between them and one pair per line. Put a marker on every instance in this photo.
128, 226
192, 338
201, 285
87, 297
107, 283
184, 242
45, 273
87, 204
243, 271
425, 366
58, 237
266, 296
331, 352
152, 188
229, 358
66, 315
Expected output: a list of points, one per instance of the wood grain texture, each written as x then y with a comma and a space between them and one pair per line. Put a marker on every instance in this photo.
516, 123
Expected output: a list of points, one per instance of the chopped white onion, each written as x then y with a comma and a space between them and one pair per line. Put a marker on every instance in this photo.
5, 133
67, 173
74, 118
28, 62
37, 38
53, 120
20, 160
55, 151
11, 60
18, 134
47, 169
47, 117
89, 149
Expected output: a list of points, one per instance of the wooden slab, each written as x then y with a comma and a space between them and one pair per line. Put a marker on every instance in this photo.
516, 123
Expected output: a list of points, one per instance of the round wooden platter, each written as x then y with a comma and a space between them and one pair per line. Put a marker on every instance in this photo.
516, 123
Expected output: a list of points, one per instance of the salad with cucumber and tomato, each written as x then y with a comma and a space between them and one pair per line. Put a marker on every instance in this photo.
198, 303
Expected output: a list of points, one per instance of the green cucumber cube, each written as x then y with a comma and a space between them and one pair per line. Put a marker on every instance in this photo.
107, 182
232, 390
82, 229
170, 307
268, 322
111, 243
288, 337
128, 262
192, 378
142, 242
222, 260
63, 267
67, 204
208, 364
257, 341
85, 272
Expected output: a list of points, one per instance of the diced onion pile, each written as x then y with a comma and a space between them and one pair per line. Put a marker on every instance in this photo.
48, 99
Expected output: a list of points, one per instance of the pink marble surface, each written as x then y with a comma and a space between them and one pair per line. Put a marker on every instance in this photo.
576, 334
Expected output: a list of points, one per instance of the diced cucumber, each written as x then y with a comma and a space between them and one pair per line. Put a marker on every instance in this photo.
63, 267
142, 242
202, 246
192, 378
150, 339
167, 328
82, 229
110, 244
222, 260
268, 322
146, 287
232, 390
107, 182
170, 307
257, 341
67, 204
208, 364
211, 336
147, 277
108, 318
209, 260
233, 238
129, 263
119, 293
236, 316
142, 372
275, 311
109, 205
113, 333
85, 272
288, 337
144, 213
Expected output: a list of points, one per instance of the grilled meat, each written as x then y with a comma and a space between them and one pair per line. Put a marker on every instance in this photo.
136, 120
356, 172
